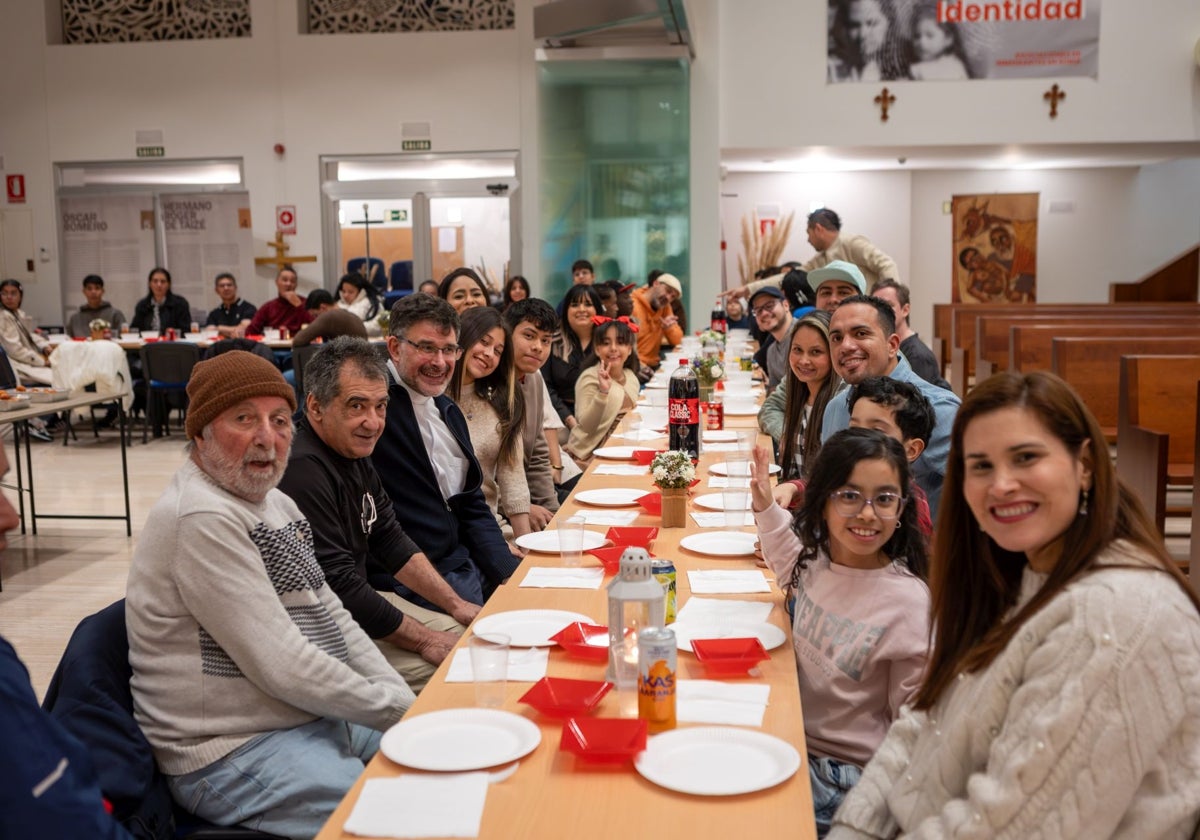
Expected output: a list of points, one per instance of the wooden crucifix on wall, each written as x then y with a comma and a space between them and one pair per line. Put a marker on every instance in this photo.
884, 101
281, 257
1053, 96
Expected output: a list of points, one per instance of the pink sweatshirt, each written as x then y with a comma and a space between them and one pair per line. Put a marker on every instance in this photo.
861, 638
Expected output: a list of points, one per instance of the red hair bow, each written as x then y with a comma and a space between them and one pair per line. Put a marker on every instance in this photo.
624, 319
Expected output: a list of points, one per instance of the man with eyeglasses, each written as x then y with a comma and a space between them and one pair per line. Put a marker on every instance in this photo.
770, 311
331, 479
652, 311
425, 458
863, 343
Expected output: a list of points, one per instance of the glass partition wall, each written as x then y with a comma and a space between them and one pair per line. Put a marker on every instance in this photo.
613, 169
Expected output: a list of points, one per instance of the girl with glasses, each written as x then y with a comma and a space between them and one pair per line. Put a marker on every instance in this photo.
484, 386
860, 603
1061, 698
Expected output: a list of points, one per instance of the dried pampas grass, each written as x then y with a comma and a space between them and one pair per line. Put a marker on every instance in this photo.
760, 250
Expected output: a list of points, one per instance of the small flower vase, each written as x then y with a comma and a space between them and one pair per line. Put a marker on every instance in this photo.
674, 507
706, 391
97, 335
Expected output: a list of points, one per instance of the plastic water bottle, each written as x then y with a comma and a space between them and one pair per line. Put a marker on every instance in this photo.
683, 410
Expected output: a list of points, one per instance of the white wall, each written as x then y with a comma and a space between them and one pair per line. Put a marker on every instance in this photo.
1125, 221
773, 90
316, 94
758, 81
871, 203
1079, 253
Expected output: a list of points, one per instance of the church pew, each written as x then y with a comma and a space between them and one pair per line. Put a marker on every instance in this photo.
1156, 427
1194, 549
1030, 344
963, 319
1092, 366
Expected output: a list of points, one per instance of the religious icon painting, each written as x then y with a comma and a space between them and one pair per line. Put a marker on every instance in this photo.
994, 256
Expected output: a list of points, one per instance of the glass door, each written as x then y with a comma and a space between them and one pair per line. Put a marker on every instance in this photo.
420, 217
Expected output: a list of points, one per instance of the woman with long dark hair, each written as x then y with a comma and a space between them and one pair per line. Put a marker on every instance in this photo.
607, 386
463, 289
357, 295
579, 306
866, 44
485, 387
860, 624
792, 414
1063, 688
161, 309
28, 351
517, 288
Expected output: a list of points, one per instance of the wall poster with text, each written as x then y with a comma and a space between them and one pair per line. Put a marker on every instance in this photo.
995, 248
939, 40
109, 235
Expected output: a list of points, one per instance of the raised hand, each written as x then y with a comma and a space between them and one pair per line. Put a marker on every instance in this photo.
760, 480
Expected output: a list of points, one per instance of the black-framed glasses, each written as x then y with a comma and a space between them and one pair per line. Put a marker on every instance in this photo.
765, 307
848, 503
430, 350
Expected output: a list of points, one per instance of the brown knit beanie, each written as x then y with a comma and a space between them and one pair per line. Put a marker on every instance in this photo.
225, 380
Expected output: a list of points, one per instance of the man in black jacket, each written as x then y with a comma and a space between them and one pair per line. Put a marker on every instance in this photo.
426, 461
332, 480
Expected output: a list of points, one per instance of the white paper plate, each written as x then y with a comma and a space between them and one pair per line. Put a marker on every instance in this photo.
716, 501
460, 739
741, 409
528, 628
655, 385
720, 543
617, 453
610, 496
719, 435
546, 542
719, 469
767, 633
717, 760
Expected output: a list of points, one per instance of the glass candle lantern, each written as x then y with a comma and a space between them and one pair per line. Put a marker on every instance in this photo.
635, 600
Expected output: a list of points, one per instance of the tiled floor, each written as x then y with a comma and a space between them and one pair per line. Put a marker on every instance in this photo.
71, 569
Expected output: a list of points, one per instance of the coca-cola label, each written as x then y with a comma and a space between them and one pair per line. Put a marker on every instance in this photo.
683, 412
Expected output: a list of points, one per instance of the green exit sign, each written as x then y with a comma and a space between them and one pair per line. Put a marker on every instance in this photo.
398, 215
151, 151
416, 145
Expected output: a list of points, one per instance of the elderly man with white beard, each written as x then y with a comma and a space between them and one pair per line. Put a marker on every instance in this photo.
260, 695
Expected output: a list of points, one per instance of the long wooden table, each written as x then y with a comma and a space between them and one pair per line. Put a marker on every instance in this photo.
552, 794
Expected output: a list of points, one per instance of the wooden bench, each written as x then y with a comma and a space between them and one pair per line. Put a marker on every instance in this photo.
1194, 549
962, 320
1030, 344
997, 348
1156, 428
1092, 366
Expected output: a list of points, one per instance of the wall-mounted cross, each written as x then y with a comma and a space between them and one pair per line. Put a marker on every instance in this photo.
883, 100
1053, 96
281, 257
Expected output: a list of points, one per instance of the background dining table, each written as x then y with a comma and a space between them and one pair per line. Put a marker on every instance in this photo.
554, 794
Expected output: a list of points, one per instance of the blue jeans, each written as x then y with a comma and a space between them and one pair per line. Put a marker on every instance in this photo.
831, 780
286, 782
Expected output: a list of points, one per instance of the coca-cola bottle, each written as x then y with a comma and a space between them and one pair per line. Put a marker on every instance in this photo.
683, 410
720, 322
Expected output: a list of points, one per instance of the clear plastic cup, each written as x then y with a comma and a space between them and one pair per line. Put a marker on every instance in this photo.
570, 540
489, 668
